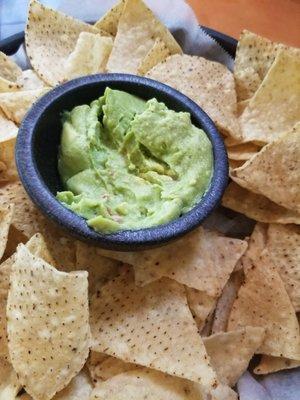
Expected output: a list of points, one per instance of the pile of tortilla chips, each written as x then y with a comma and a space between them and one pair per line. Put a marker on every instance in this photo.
180, 322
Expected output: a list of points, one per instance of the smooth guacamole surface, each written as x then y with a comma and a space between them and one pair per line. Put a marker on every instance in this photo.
129, 164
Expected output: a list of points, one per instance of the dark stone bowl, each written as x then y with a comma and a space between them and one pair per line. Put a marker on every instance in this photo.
37, 149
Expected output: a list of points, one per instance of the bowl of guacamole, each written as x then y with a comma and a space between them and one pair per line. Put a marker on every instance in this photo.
121, 161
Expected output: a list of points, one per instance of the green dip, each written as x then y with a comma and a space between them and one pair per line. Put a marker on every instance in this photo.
130, 164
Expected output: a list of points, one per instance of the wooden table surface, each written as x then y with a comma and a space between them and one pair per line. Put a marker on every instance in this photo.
277, 20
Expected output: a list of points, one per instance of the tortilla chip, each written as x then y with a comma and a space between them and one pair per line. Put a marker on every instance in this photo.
263, 301
269, 364
283, 245
208, 83
242, 151
225, 302
202, 260
104, 369
158, 53
137, 325
256, 245
111, 367
9, 385
50, 37
48, 332
201, 305
16, 104
137, 32
206, 330
257, 207
93, 363
231, 352
89, 56
110, 21
235, 164
9, 73
241, 105
6, 217
5, 269
100, 268
277, 165
275, 107
28, 220
15, 237
254, 57
257, 242
8, 133
29, 80
146, 384
37, 246
80, 388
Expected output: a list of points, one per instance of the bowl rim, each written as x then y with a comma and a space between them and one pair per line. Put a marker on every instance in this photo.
125, 240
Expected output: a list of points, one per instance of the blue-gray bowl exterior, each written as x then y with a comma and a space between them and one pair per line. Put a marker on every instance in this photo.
37, 150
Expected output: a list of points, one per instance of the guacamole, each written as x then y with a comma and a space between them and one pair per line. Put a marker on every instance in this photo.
129, 164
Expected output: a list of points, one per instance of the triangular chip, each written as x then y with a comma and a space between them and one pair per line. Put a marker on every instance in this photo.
154, 385
6, 217
100, 268
29, 80
9, 73
50, 37
5, 269
89, 56
109, 22
230, 352
283, 245
253, 59
277, 165
9, 385
28, 220
225, 302
269, 364
263, 301
235, 164
137, 31
242, 151
146, 384
16, 104
275, 107
138, 325
256, 245
105, 368
158, 53
201, 305
208, 83
80, 388
8, 133
257, 207
241, 105
47, 324
94, 362
202, 260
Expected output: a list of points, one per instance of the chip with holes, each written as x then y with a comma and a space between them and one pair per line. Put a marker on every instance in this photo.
47, 324
149, 326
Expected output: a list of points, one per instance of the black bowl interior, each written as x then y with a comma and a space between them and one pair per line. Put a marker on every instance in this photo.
37, 150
